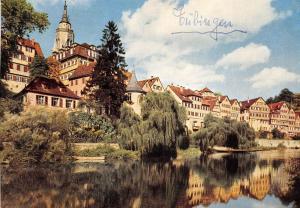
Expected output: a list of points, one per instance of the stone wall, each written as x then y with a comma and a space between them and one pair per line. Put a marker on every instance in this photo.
275, 143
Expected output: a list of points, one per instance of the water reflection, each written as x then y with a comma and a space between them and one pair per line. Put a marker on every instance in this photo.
204, 181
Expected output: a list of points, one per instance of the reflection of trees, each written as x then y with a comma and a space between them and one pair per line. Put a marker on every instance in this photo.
125, 185
293, 193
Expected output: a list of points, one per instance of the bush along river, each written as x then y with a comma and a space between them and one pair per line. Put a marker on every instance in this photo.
261, 179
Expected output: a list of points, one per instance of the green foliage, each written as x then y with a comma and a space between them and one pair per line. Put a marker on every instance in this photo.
18, 19
122, 154
107, 85
159, 130
87, 127
277, 134
296, 137
224, 132
263, 134
39, 135
10, 106
38, 67
284, 95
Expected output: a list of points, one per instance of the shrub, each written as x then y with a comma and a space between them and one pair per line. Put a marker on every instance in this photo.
101, 150
87, 127
277, 134
38, 134
10, 106
224, 132
296, 137
263, 134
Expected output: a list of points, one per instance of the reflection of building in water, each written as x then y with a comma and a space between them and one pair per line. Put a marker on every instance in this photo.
256, 186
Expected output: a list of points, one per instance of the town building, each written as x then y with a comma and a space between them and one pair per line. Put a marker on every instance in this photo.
80, 77
256, 112
152, 85
225, 107
192, 101
206, 92
18, 73
67, 52
44, 91
135, 94
279, 116
235, 109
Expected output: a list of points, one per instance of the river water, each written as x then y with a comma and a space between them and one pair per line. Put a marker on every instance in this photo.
264, 179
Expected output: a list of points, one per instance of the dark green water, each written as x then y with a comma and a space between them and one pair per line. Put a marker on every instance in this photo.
265, 179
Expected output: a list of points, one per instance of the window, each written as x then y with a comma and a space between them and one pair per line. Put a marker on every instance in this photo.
68, 103
71, 82
54, 101
76, 82
129, 97
83, 80
18, 67
41, 100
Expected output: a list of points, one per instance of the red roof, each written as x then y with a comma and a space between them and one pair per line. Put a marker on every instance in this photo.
247, 103
297, 114
184, 93
83, 71
234, 100
149, 81
276, 106
205, 90
222, 98
31, 44
45, 85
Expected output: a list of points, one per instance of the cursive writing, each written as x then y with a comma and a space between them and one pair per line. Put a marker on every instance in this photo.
217, 26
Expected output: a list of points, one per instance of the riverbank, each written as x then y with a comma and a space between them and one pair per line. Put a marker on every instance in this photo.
273, 143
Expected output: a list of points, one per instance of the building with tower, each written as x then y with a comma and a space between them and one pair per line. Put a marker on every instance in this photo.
68, 53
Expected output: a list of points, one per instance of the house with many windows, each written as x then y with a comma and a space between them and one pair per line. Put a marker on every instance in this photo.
256, 112
18, 73
192, 101
235, 109
44, 91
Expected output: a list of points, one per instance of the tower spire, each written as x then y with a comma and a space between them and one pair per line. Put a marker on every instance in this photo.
65, 17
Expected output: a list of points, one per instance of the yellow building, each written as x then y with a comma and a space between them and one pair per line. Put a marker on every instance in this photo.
192, 101
235, 109
279, 116
225, 106
69, 54
17, 76
256, 112
152, 85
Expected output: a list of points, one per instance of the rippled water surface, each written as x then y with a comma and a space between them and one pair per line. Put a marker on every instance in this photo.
264, 179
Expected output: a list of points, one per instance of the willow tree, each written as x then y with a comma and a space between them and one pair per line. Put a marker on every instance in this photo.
224, 132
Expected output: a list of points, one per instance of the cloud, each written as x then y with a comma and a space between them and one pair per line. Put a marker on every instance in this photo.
245, 57
147, 34
270, 77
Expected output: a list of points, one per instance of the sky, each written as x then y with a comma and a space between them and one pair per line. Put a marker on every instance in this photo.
240, 48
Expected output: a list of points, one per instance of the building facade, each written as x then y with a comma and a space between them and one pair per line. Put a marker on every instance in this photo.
43, 91
69, 54
152, 85
256, 112
18, 73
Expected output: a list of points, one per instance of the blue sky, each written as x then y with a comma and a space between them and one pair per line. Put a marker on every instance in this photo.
258, 63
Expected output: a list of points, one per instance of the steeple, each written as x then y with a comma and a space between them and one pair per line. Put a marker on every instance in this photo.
133, 85
65, 17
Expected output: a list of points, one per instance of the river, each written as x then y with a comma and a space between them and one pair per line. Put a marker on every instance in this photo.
263, 179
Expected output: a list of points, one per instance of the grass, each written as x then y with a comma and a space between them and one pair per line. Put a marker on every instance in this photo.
191, 152
109, 152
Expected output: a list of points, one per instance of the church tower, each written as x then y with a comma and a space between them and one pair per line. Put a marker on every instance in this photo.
64, 32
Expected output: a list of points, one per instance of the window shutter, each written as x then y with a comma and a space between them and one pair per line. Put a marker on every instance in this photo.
46, 100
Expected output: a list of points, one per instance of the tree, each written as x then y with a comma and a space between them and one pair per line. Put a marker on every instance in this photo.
284, 95
38, 67
158, 131
18, 19
107, 85
53, 65
224, 132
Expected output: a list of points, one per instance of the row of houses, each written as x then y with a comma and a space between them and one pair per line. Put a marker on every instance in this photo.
76, 63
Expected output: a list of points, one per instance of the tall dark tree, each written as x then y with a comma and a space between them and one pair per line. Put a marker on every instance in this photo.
18, 19
107, 85
38, 67
284, 95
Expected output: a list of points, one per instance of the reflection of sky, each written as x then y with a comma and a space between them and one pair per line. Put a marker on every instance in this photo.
245, 202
